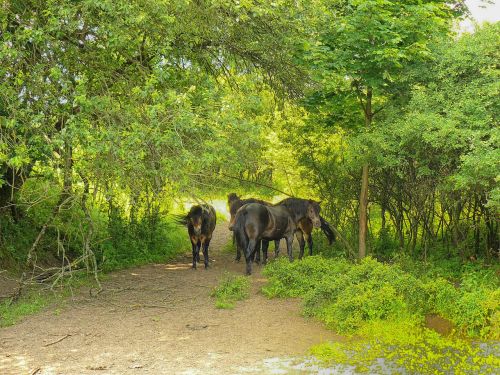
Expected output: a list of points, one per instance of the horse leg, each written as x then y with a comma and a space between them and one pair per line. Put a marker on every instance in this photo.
276, 248
193, 248
309, 240
265, 245
238, 250
252, 243
289, 242
256, 253
205, 252
302, 243
198, 247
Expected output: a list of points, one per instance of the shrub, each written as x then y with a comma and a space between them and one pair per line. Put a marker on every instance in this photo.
366, 292
297, 278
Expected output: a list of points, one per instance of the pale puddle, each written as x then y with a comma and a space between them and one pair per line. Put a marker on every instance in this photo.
304, 366
309, 365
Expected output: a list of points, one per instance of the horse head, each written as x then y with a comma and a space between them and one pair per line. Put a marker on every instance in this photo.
232, 197
196, 218
313, 209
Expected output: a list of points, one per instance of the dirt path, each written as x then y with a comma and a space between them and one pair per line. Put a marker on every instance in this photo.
160, 319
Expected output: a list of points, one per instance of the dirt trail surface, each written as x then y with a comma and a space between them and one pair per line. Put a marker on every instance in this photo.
160, 319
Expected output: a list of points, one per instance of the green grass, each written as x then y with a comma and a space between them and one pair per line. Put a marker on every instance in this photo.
229, 248
11, 313
231, 288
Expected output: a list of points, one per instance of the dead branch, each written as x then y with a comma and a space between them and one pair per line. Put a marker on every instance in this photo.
62, 201
345, 242
58, 340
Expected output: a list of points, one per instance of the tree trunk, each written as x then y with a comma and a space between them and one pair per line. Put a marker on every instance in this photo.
363, 207
363, 195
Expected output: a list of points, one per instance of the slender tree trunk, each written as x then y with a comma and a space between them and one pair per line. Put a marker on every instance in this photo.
363, 207
363, 195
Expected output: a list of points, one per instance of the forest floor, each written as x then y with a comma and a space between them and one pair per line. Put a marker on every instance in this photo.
160, 319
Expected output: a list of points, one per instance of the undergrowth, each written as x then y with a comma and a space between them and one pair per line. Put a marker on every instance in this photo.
231, 289
385, 305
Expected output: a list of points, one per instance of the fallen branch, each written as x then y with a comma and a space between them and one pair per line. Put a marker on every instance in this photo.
58, 340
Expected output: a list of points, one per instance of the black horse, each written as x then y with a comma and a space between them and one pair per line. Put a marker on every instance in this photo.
255, 222
235, 203
200, 221
304, 225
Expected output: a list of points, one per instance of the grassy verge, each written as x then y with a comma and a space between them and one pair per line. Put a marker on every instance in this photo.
231, 289
382, 308
36, 299
11, 313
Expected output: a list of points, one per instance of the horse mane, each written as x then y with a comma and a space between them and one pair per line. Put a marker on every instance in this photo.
294, 204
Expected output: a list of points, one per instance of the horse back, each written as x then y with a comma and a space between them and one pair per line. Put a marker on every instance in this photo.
271, 222
209, 221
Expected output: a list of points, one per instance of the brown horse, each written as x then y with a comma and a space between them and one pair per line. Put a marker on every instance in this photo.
304, 234
255, 222
200, 222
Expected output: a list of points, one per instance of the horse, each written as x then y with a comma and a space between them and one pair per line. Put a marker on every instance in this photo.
255, 222
235, 203
200, 222
304, 230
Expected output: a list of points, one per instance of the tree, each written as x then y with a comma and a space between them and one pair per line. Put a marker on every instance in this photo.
361, 52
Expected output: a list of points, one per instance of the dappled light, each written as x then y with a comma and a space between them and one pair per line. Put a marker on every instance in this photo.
177, 266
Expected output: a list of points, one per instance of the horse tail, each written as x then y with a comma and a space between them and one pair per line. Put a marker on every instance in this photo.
239, 231
327, 230
180, 219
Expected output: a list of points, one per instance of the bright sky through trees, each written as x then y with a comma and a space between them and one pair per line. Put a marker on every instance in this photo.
481, 12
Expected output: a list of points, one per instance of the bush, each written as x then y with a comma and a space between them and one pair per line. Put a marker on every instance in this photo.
406, 347
366, 292
348, 296
297, 278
